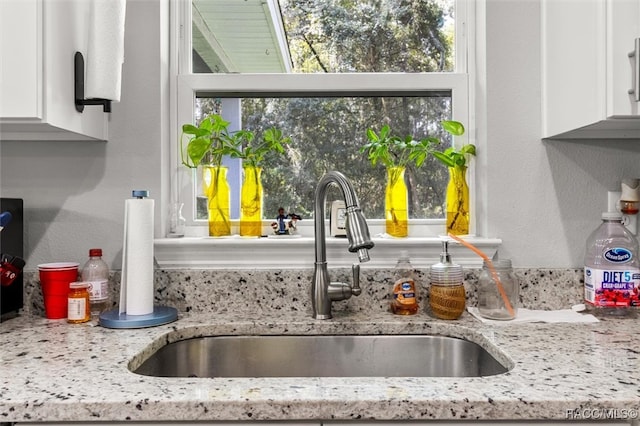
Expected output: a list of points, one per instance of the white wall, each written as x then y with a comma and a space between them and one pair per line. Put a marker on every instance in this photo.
541, 198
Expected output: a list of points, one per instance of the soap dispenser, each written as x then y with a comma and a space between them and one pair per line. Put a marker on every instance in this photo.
446, 294
404, 299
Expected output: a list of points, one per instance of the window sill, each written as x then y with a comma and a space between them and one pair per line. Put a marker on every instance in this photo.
299, 253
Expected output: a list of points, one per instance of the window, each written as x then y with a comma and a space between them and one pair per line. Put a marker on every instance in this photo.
324, 73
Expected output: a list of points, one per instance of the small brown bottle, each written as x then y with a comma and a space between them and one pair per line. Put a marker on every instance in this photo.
404, 296
78, 303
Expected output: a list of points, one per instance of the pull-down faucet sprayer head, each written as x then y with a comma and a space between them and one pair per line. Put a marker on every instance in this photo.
358, 233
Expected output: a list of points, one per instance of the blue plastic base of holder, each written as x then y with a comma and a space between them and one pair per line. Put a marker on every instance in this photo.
161, 315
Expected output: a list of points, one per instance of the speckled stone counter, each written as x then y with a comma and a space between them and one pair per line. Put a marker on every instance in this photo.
53, 371
221, 291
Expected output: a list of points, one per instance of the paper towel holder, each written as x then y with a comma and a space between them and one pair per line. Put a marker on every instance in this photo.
79, 87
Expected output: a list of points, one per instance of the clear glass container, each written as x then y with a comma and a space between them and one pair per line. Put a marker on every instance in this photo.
177, 222
491, 301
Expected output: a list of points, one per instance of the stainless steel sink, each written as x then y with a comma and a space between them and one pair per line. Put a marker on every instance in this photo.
322, 356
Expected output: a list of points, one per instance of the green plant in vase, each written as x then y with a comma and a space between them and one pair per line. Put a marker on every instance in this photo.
209, 142
457, 201
396, 153
253, 151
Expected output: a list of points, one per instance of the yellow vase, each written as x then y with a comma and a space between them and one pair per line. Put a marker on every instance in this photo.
216, 188
251, 202
396, 203
457, 201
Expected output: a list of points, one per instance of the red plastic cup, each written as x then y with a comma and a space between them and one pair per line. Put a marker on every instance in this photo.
55, 279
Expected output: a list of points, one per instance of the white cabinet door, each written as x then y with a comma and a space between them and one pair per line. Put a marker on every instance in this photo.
623, 28
586, 70
38, 40
20, 59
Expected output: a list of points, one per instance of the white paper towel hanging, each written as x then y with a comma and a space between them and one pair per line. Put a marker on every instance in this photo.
105, 52
136, 286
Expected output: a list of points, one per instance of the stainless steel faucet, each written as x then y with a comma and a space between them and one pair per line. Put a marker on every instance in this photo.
323, 292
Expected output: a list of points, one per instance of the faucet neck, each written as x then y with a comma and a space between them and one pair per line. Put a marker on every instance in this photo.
350, 199
322, 290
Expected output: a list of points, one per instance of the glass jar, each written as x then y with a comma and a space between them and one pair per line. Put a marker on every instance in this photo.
491, 300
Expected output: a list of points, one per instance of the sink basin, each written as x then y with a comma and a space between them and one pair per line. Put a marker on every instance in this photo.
322, 356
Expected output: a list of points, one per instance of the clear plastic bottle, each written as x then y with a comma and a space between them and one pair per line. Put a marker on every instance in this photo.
96, 272
611, 268
404, 298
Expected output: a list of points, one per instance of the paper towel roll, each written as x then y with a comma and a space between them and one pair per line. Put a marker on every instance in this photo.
136, 286
105, 52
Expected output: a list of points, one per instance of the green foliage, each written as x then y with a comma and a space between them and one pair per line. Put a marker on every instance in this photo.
357, 36
452, 157
393, 151
209, 142
253, 151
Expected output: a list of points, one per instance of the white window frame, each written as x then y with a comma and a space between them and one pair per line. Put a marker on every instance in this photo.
199, 251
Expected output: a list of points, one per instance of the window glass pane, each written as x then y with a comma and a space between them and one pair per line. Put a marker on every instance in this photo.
327, 134
322, 36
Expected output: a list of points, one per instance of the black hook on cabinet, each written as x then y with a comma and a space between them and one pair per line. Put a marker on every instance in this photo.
79, 87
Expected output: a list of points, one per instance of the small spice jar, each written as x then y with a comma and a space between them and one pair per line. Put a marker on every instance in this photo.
491, 301
78, 307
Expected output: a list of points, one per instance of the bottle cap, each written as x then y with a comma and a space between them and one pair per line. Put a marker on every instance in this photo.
446, 273
404, 255
611, 216
95, 252
79, 284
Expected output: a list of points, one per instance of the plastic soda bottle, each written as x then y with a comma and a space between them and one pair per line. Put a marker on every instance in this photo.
611, 268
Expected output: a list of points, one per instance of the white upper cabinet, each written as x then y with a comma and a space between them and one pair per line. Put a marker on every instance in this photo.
587, 72
38, 40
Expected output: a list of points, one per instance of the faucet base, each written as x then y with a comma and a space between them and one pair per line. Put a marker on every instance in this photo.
322, 317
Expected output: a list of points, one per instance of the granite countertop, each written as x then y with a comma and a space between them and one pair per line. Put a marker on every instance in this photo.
54, 371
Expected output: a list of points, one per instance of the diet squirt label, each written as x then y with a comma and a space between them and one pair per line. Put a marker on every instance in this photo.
615, 286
